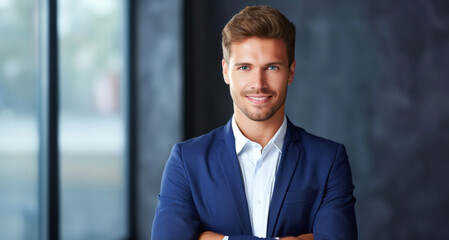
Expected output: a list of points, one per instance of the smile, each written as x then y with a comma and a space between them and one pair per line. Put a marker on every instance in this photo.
258, 100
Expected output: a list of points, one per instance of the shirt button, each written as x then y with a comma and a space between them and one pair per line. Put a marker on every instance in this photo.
259, 201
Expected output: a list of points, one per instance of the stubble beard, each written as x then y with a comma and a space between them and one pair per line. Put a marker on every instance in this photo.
260, 114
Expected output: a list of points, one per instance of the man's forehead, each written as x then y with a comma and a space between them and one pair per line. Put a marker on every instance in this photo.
260, 50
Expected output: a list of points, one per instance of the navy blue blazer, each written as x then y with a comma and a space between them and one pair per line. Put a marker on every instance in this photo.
202, 189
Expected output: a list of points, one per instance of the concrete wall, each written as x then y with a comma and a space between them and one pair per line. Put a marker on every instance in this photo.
370, 74
159, 90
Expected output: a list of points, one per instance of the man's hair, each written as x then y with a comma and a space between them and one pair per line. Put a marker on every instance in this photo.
261, 22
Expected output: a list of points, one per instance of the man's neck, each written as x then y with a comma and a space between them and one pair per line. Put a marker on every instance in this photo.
259, 131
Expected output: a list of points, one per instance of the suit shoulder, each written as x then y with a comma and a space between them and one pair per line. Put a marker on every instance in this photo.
201, 142
319, 150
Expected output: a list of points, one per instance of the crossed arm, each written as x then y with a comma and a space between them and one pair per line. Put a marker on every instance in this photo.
208, 235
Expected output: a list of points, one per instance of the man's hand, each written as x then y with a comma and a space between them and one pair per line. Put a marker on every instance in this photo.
208, 235
308, 236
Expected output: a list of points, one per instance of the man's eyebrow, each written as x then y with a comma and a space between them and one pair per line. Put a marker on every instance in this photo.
275, 63
242, 64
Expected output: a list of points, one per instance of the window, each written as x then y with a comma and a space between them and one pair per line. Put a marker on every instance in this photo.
93, 177
18, 120
92, 130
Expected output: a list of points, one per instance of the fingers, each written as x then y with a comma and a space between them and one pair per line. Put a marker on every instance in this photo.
308, 236
209, 235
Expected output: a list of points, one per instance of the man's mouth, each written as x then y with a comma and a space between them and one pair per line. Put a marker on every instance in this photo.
258, 99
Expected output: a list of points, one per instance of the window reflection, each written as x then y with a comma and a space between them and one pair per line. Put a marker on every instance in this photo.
18, 120
92, 134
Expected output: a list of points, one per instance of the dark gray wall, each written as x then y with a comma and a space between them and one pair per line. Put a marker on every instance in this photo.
370, 74
374, 75
159, 96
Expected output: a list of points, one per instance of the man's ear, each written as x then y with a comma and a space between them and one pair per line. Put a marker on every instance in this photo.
225, 68
291, 73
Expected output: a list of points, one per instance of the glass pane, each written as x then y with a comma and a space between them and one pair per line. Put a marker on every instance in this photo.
18, 120
92, 121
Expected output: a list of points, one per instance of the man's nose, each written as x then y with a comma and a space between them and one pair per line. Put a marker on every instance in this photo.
258, 79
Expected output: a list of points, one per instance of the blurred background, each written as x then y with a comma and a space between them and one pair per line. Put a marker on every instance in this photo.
134, 77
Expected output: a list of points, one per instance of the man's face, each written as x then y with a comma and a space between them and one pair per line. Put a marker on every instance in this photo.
258, 75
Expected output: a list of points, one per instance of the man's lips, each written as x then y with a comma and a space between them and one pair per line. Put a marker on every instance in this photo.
258, 99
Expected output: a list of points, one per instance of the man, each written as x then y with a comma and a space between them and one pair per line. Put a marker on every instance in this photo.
259, 176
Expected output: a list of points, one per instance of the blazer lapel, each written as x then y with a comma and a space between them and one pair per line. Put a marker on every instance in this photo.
233, 175
287, 166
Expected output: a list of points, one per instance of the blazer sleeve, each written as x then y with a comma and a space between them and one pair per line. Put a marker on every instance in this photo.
176, 216
336, 217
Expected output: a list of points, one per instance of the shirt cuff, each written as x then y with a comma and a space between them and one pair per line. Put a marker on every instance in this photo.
226, 238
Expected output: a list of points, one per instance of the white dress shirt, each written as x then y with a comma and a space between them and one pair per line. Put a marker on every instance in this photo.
259, 167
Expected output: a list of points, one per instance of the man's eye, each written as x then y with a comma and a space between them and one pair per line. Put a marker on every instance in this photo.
244, 68
273, 68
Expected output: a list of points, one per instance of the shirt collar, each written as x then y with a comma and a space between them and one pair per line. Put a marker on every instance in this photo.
277, 140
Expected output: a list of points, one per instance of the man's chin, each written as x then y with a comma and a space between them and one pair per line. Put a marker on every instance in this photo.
259, 117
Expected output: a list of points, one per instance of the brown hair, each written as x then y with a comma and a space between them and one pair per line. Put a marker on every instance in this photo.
261, 22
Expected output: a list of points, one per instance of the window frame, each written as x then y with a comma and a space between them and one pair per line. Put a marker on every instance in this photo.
49, 198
